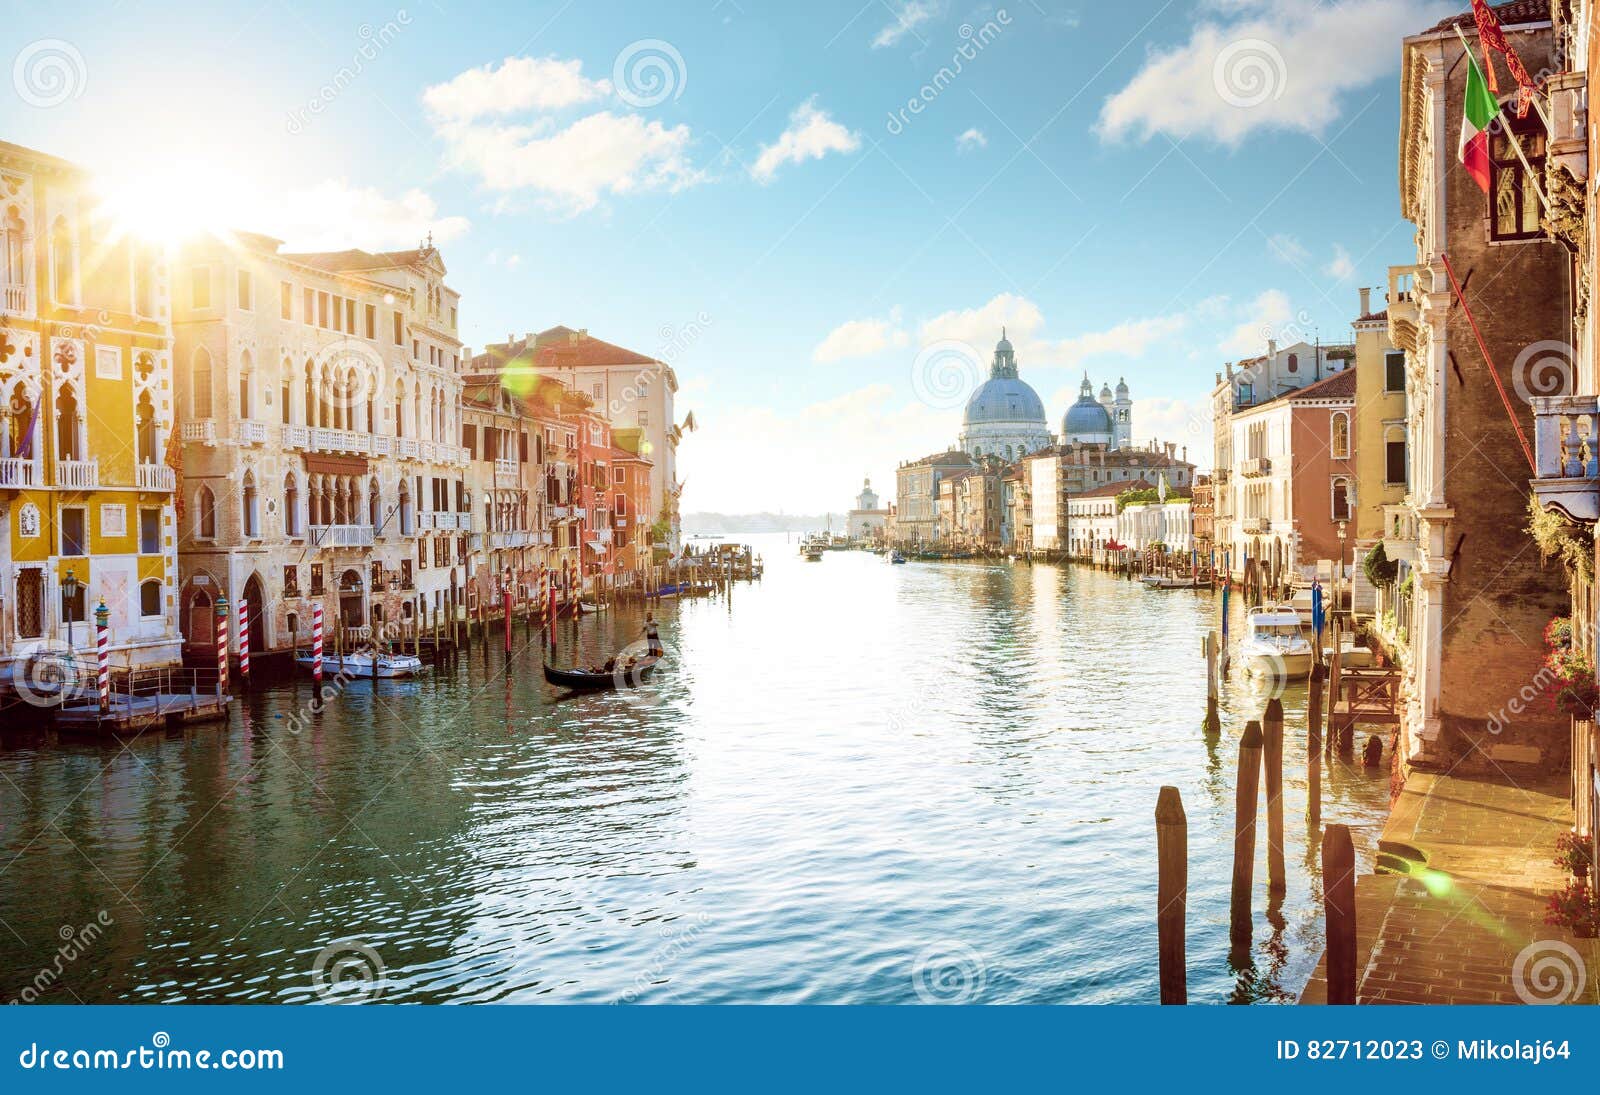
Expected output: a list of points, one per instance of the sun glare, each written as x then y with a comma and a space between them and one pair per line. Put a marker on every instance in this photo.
172, 203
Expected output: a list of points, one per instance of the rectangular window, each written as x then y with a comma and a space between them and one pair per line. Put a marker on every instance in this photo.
1513, 196
372, 321
399, 330
286, 300
469, 439
323, 301
350, 317
149, 532
308, 307
200, 287
1394, 371
1394, 454
113, 519
74, 531
246, 292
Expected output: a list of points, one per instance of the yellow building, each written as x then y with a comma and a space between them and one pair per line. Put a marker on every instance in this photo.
86, 384
1380, 423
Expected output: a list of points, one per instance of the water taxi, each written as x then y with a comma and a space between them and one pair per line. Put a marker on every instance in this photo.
359, 664
1274, 644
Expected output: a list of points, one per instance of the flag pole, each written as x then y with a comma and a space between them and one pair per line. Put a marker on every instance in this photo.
1516, 145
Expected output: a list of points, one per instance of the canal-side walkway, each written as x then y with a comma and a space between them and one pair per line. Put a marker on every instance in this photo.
1465, 923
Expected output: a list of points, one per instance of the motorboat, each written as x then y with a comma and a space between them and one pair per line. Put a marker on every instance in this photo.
359, 664
896, 557
1275, 644
1167, 581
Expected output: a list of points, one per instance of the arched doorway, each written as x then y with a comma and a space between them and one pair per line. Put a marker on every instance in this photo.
255, 611
352, 612
201, 629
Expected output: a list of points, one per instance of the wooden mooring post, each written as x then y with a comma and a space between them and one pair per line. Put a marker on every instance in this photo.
1172, 893
1314, 745
1213, 724
1244, 830
1272, 758
1339, 912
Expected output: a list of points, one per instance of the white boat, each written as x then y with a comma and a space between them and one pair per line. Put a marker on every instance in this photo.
1274, 644
359, 664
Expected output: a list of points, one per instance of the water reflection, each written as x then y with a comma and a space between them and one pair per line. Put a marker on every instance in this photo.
843, 770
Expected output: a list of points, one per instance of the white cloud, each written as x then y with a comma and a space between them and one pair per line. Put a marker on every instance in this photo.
1257, 66
1288, 249
908, 16
509, 262
980, 327
519, 84
1130, 338
811, 135
1268, 316
334, 215
971, 139
572, 168
861, 338
1341, 267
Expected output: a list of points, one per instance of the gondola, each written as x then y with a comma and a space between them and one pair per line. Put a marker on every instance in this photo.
585, 680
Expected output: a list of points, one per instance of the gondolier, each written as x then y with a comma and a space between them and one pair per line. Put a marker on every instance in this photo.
652, 636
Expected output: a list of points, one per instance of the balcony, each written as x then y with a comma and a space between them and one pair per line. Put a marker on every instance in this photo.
1407, 284
1255, 526
510, 538
560, 513
1255, 467
341, 536
16, 298
1400, 533
203, 430
156, 477
15, 472
1564, 439
78, 474
296, 437
407, 447
430, 452
324, 439
382, 445
252, 432
507, 472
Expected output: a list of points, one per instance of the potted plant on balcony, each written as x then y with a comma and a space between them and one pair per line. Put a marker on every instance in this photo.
1575, 853
1574, 907
1573, 690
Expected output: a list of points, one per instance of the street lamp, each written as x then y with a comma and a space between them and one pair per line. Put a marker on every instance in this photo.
1341, 564
69, 595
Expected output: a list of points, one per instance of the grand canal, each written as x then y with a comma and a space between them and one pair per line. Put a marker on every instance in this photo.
856, 783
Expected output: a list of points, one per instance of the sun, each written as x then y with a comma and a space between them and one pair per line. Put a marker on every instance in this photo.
170, 203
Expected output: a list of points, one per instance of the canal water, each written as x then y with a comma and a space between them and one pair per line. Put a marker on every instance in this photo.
854, 783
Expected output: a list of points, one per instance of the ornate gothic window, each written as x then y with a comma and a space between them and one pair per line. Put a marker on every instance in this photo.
1513, 197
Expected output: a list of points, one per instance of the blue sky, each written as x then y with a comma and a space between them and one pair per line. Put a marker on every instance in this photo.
1138, 190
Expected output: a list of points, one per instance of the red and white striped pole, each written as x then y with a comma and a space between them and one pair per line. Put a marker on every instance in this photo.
508, 621
222, 645
102, 647
316, 643
244, 643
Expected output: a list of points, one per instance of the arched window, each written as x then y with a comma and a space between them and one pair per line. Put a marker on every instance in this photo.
405, 508
1294, 363
284, 389
63, 262
1339, 442
200, 383
145, 429
249, 507
19, 435
1341, 499
13, 266
150, 598
311, 395
374, 504
67, 440
205, 514
291, 505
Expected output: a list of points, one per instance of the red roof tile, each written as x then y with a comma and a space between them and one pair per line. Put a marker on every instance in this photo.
1112, 489
1341, 385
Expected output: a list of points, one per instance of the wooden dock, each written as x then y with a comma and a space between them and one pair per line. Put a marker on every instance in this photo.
1364, 695
145, 699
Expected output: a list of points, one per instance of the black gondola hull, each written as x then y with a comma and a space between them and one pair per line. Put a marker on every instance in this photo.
583, 680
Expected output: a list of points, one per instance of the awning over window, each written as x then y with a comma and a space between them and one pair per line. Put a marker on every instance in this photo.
326, 464
596, 546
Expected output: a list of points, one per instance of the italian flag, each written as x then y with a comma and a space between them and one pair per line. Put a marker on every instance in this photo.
1480, 109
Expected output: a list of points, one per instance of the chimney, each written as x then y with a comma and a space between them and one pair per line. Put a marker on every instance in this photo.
1366, 302
1186, 454
1230, 370
529, 336
1272, 347
511, 337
